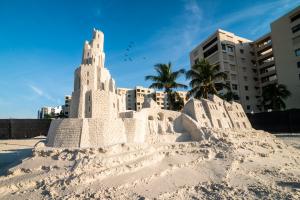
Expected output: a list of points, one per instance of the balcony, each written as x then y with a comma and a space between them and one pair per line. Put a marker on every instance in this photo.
264, 47
266, 64
265, 56
268, 73
263, 84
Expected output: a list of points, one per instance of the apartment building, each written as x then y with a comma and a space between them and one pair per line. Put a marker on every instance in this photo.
236, 58
135, 97
52, 112
285, 36
141, 94
253, 65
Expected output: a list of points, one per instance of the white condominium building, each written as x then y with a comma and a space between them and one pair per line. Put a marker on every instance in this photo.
236, 58
253, 65
135, 97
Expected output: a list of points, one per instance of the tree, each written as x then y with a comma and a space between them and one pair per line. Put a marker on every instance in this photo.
176, 101
205, 79
47, 116
166, 79
229, 96
274, 96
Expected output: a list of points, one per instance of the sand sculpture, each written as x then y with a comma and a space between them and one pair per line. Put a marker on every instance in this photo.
98, 116
106, 152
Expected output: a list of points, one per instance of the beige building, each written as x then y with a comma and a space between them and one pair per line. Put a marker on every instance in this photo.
285, 35
236, 58
135, 97
49, 112
253, 65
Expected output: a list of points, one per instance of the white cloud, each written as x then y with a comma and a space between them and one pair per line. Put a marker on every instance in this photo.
192, 26
174, 42
38, 91
42, 93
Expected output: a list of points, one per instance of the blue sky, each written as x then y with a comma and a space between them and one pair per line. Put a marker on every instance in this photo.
41, 41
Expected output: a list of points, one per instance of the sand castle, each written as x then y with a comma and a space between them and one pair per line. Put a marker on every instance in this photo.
207, 151
98, 116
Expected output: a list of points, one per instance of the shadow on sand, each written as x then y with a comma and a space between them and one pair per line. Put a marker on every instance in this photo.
11, 158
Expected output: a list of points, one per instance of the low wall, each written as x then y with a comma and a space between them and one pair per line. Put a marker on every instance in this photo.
287, 121
23, 128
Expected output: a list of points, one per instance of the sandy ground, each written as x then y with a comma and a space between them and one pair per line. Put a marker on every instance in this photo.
13, 151
226, 165
292, 141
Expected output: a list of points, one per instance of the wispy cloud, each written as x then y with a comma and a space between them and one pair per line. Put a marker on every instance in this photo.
38, 91
193, 25
174, 42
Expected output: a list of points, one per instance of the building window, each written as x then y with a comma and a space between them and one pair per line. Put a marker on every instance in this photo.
247, 98
98, 46
296, 28
233, 77
243, 60
87, 82
297, 52
248, 107
230, 48
223, 47
196, 61
294, 18
242, 51
232, 67
298, 64
246, 87
209, 43
299, 76
245, 78
210, 51
234, 86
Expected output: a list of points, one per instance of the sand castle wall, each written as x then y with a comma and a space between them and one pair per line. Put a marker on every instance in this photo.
98, 117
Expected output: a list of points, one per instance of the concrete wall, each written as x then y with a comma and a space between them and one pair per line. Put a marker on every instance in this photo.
287, 121
23, 128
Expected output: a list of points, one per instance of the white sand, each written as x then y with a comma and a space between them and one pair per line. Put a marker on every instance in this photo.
229, 164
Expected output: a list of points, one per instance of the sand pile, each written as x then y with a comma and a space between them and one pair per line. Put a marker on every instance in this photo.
226, 164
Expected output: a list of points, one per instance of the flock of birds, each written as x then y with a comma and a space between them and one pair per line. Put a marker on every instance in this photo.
127, 54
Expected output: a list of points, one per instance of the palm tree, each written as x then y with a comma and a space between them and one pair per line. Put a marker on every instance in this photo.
166, 79
176, 101
274, 96
229, 96
205, 79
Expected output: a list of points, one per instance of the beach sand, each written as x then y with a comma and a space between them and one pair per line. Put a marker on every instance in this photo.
229, 164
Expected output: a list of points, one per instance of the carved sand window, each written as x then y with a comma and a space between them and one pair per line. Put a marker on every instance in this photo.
150, 117
160, 116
